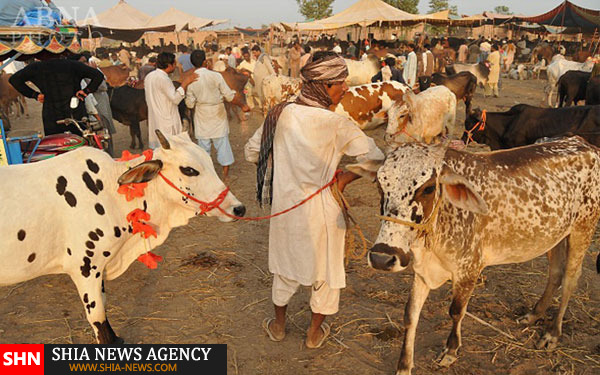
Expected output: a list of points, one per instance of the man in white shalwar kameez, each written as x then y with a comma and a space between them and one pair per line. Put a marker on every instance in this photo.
162, 98
206, 97
300, 146
410, 67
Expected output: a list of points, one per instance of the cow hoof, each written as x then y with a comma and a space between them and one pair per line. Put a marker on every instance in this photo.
445, 359
403, 372
527, 319
547, 342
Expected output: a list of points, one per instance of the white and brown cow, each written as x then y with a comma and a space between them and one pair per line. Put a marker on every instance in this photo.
64, 215
476, 210
277, 89
424, 117
367, 105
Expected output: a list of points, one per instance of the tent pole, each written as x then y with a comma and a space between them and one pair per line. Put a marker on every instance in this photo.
270, 49
562, 24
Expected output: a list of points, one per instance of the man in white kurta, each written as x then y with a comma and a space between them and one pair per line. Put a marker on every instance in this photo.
306, 245
247, 67
206, 97
162, 98
410, 67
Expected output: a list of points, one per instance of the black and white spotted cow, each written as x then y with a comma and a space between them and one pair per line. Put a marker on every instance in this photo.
478, 210
64, 215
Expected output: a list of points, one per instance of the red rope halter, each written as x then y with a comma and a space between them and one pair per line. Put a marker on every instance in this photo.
480, 124
204, 206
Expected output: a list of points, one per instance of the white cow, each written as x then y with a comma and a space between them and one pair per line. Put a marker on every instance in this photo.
423, 117
64, 215
479, 70
557, 68
262, 69
361, 72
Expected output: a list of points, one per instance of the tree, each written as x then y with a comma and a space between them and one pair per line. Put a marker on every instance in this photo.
502, 9
410, 6
438, 5
453, 10
315, 9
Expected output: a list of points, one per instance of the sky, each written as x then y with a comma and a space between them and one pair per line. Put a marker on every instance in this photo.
254, 13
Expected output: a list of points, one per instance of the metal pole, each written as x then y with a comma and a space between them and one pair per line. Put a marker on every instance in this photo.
9, 60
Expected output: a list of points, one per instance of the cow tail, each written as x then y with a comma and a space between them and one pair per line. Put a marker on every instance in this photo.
598, 263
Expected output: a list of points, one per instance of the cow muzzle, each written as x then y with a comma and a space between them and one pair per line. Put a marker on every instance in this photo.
239, 211
386, 258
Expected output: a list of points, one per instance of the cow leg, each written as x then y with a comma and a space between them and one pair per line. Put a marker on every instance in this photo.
91, 292
579, 242
138, 132
24, 106
556, 261
461, 293
418, 295
132, 135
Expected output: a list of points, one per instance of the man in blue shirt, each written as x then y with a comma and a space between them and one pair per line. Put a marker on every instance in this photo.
185, 63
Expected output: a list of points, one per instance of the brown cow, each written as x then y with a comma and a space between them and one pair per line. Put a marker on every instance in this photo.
456, 213
117, 75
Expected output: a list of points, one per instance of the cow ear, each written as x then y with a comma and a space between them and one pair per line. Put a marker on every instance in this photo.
141, 173
458, 191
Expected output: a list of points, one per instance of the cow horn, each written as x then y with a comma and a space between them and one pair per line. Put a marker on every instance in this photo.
163, 140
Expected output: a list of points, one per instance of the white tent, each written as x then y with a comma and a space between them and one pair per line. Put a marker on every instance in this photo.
181, 20
362, 13
121, 16
121, 22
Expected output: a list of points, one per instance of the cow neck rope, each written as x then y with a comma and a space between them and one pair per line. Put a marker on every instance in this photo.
209, 206
426, 227
480, 124
351, 224
403, 130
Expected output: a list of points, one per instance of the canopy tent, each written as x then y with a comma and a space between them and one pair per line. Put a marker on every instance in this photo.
362, 13
181, 20
121, 22
252, 32
438, 18
39, 42
568, 15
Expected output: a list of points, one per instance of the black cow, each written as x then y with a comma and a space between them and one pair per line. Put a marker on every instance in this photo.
463, 85
592, 95
129, 107
572, 86
524, 124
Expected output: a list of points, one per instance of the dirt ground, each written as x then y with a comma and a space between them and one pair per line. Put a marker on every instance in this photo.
214, 287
